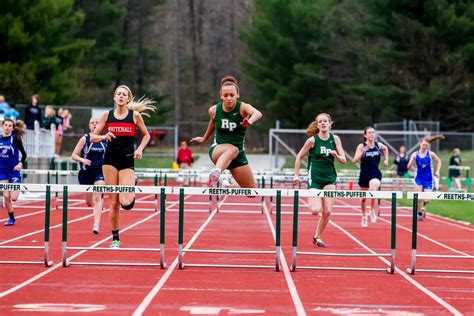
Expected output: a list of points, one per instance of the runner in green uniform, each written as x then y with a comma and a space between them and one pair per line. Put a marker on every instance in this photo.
323, 147
229, 120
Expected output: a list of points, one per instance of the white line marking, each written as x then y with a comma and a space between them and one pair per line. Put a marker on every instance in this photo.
430, 294
39, 276
59, 308
151, 295
289, 279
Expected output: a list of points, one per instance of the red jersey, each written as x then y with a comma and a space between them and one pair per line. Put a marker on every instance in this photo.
185, 156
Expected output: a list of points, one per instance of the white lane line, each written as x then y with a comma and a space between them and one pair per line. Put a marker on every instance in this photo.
426, 237
159, 285
46, 272
430, 294
289, 279
29, 214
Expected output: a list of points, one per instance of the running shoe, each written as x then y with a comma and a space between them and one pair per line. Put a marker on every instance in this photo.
373, 217
115, 244
364, 221
214, 177
95, 229
318, 242
225, 183
10, 222
420, 216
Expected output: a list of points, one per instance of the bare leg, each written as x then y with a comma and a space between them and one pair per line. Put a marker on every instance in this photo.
111, 178
326, 211
126, 177
98, 204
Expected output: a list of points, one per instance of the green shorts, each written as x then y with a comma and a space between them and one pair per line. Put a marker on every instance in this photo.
318, 185
240, 160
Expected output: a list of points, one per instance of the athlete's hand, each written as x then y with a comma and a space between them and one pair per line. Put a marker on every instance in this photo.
437, 174
385, 163
197, 140
296, 180
333, 153
18, 167
109, 136
365, 148
87, 162
246, 122
138, 154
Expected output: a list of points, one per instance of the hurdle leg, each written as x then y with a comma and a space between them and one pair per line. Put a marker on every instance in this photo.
47, 218
64, 237
391, 270
411, 270
295, 231
162, 228
278, 232
180, 229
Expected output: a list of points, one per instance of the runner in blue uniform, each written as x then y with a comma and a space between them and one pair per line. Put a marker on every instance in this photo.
369, 154
90, 157
11, 147
424, 174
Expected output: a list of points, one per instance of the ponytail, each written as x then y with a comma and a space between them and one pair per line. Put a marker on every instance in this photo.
142, 105
433, 138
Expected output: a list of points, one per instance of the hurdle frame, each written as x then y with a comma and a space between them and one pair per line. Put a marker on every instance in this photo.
368, 194
415, 196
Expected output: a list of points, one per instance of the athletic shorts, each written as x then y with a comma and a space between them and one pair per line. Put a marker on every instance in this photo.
425, 184
364, 179
120, 162
11, 175
89, 177
240, 160
319, 185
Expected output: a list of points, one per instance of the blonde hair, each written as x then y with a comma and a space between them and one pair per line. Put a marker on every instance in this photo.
312, 128
141, 105
49, 111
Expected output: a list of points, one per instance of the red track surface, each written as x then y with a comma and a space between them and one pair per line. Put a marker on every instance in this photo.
125, 290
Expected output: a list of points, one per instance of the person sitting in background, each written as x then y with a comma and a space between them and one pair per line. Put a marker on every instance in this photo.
33, 113
454, 173
185, 160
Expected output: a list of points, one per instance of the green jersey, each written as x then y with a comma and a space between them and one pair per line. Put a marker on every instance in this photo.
321, 163
228, 128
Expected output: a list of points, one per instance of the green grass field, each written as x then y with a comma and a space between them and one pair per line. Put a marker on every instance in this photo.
458, 210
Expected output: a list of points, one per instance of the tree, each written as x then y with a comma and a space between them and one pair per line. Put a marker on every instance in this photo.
430, 58
39, 52
287, 53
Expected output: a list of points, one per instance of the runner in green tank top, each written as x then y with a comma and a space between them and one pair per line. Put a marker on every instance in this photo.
323, 147
229, 120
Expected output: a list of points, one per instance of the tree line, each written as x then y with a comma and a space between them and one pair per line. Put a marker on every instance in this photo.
362, 61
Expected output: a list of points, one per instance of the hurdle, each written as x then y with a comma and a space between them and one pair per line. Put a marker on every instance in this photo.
47, 216
113, 189
433, 196
345, 194
229, 192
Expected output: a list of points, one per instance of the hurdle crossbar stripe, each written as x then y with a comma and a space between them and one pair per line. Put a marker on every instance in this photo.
416, 196
346, 194
450, 196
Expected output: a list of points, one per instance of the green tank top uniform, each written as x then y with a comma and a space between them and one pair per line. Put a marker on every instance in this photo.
229, 131
321, 163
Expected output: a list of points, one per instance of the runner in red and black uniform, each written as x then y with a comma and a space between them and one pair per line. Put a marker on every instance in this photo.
119, 161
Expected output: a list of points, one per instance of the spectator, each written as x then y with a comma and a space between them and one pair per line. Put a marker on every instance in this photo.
454, 173
185, 160
12, 114
49, 117
67, 116
4, 107
33, 113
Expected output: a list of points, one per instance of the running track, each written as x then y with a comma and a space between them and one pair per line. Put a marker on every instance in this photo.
125, 290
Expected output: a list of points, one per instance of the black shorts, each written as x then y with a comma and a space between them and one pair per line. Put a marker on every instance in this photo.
89, 177
118, 161
364, 179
